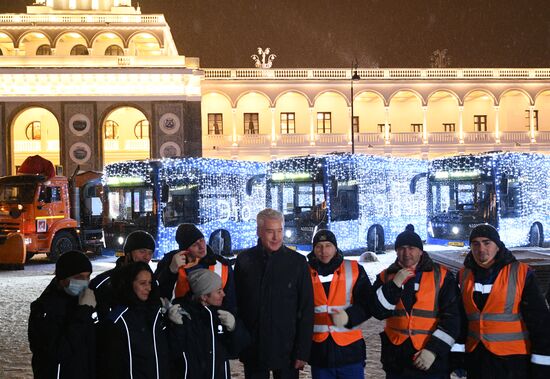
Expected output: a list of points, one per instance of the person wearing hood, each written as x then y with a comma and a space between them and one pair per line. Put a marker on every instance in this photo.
275, 302
139, 246
193, 253
506, 316
133, 339
204, 335
61, 324
341, 289
419, 300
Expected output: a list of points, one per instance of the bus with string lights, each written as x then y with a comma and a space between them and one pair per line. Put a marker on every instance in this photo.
221, 197
365, 200
510, 191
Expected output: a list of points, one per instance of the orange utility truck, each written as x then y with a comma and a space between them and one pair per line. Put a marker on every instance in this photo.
40, 212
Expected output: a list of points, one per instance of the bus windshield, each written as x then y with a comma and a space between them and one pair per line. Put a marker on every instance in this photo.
131, 204
17, 193
461, 196
182, 206
294, 198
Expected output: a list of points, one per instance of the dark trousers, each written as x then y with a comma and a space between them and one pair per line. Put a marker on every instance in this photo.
259, 373
353, 371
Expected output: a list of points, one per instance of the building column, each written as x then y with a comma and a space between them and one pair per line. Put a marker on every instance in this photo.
461, 124
532, 123
387, 125
234, 125
497, 124
425, 125
311, 126
350, 123
273, 132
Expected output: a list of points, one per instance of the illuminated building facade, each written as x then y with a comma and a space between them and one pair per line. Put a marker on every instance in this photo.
88, 82
265, 113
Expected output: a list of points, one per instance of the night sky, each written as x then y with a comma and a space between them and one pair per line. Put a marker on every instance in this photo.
378, 33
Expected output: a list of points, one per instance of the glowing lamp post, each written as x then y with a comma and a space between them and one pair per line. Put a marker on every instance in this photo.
354, 77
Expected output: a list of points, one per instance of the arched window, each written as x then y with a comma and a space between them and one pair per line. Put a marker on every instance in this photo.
1, 53
111, 129
79, 50
44, 50
114, 50
32, 131
141, 130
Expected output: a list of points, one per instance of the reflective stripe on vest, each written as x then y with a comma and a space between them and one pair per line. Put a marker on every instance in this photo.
182, 285
339, 298
499, 326
422, 322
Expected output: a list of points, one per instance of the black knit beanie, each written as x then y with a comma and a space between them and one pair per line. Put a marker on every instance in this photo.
486, 231
324, 235
72, 263
408, 238
186, 235
139, 240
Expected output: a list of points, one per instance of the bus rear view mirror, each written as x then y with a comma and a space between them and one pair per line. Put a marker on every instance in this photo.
415, 179
504, 185
164, 193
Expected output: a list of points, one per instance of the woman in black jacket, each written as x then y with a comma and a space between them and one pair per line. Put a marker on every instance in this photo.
133, 341
204, 336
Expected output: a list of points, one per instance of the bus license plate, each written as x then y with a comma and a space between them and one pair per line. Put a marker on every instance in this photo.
457, 244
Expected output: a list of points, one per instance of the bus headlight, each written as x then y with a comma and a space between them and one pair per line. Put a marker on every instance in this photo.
288, 233
455, 230
120, 240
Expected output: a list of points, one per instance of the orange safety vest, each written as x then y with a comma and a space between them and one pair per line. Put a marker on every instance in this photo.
499, 326
339, 297
422, 321
182, 285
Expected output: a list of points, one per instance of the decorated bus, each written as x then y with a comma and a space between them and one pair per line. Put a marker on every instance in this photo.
365, 200
221, 197
510, 191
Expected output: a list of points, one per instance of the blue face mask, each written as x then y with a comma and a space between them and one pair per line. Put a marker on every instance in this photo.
76, 286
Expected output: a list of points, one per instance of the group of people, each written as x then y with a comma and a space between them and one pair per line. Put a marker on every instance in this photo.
278, 310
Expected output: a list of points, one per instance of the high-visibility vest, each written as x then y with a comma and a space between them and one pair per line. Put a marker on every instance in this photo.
422, 321
340, 297
499, 326
182, 285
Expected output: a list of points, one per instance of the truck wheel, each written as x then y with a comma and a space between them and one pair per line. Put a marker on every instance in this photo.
535, 236
62, 242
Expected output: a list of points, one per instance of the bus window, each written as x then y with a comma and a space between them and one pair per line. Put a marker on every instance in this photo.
345, 205
509, 204
182, 206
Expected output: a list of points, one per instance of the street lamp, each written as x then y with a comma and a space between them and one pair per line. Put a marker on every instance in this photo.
355, 76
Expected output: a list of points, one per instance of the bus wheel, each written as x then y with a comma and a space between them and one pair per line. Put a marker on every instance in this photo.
535, 236
375, 239
220, 242
62, 242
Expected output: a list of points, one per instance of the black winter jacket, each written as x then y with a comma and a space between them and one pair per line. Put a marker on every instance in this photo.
275, 301
398, 359
133, 342
61, 336
481, 363
203, 343
167, 280
328, 353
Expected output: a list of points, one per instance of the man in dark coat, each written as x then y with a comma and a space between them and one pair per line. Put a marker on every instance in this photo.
193, 253
491, 272
419, 300
61, 326
338, 349
138, 247
275, 301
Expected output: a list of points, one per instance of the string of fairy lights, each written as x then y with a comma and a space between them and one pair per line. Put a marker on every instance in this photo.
366, 198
